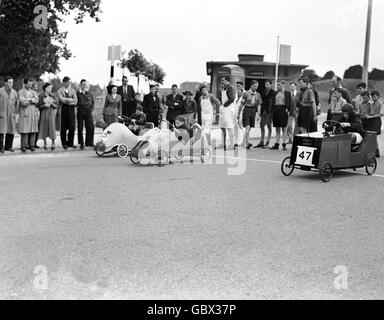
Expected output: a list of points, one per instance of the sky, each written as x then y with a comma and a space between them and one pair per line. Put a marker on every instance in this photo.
181, 36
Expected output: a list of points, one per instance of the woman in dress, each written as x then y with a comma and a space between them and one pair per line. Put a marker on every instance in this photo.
207, 102
48, 109
112, 107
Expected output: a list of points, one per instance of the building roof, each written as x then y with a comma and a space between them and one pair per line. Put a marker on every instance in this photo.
255, 63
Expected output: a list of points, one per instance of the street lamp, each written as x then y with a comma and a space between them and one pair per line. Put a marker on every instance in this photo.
367, 43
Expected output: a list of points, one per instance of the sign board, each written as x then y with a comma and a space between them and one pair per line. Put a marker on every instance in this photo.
256, 73
285, 54
114, 53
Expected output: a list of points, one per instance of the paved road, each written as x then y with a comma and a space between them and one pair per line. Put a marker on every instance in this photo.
104, 228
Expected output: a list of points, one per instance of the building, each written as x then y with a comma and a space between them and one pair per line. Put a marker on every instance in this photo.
250, 67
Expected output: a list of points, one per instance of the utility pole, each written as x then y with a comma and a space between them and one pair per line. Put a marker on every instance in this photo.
277, 62
367, 43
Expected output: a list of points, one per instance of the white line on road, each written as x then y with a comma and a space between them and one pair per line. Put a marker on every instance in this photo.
279, 162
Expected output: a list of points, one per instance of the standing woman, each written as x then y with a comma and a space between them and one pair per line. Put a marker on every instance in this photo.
112, 107
208, 104
48, 106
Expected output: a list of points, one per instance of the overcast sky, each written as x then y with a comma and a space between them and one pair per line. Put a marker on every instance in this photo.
182, 35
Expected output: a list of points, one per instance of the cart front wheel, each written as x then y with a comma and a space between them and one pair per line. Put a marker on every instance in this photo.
135, 160
371, 166
206, 155
122, 150
286, 167
326, 171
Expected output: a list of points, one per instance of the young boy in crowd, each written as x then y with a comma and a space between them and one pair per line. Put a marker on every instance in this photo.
189, 108
138, 120
365, 109
375, 114
358, 101
182, 131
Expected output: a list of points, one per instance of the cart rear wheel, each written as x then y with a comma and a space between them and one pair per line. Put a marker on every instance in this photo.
122, 150
162, 158
326, 171
134, 159
286, 167
206, 155
371, 166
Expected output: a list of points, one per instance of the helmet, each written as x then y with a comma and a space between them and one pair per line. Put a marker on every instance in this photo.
347, 108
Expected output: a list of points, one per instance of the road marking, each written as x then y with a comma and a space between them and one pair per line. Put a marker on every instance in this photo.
279, 163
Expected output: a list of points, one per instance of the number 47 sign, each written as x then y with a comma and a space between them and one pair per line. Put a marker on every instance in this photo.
305, 156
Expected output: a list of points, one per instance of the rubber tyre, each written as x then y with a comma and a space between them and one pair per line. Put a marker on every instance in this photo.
285, 168
371, 166
122, 151
326, 171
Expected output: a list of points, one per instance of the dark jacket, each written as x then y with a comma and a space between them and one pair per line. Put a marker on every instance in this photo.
85, 101
140, 119
175, 106
356, 125
288, 101
130, 94
151, 106
267, 98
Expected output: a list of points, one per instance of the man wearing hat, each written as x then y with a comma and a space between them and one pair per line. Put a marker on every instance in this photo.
189, 108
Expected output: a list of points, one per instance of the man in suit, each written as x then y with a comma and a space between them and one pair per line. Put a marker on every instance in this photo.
128, 97
152, 106
336, 83
174, 102
85, 106
68, 102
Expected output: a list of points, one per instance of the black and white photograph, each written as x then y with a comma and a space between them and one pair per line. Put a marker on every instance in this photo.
191, 151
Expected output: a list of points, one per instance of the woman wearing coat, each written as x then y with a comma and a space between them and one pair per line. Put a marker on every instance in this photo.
112, 107
29, 116
48, 109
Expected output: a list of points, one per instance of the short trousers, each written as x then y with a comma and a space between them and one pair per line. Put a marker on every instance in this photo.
249, 117
266, 120
280, 117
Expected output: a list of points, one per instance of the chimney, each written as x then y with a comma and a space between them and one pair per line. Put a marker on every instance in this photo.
251, 57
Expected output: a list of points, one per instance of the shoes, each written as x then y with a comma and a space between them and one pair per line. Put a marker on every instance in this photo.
275, 147
45, 147
82, 147
249, 146
23, 150
260, 145
74, 147
36, 147
53, 148
1, 151
9, 150
32, 149
284, 147
65, 147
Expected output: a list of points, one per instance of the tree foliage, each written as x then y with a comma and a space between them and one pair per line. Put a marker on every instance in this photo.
138, 65
376, 74
310, 74
329, 75
354, 72
28, 51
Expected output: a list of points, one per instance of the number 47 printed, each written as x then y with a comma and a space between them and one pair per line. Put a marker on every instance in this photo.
305, 156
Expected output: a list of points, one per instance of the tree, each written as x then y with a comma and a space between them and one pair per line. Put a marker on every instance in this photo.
354, 72
138, 65
26, 50
329, 75
376, 74
310, 74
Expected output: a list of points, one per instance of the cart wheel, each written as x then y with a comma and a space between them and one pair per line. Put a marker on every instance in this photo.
206, 155
135, 160
286, 168
122, 150
371, 166
179, 155
162, 159
99, 153
326, 171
